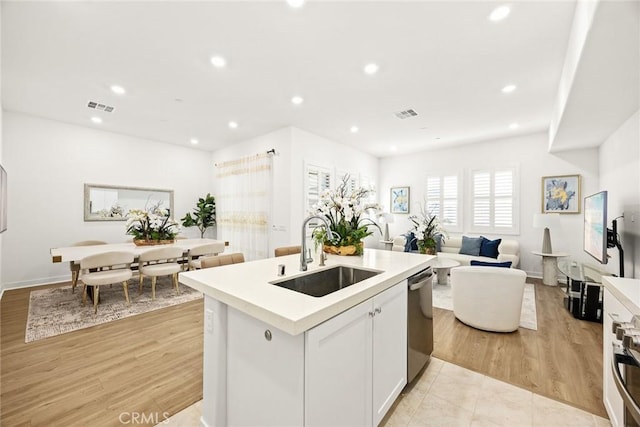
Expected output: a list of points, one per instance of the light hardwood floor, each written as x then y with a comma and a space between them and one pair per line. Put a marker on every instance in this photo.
149, 364
152, 364
561, 360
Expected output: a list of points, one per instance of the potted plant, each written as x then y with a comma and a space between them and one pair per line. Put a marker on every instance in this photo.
427, 229
151, 227
344, 210
204, 215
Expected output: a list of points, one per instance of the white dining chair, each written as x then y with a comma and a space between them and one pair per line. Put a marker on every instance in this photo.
159, 262
75, 266
195, 253
112, 267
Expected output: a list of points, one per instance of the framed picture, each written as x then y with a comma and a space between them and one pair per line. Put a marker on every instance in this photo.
400, 200
561, 194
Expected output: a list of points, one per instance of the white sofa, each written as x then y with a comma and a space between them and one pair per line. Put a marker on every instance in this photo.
488, 298
509, 250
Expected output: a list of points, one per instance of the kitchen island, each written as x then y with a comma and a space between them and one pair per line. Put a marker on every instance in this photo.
274, 356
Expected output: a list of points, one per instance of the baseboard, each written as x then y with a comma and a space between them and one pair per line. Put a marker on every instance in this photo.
35, 282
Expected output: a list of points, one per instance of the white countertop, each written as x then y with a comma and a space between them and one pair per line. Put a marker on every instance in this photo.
246, 286
627, 291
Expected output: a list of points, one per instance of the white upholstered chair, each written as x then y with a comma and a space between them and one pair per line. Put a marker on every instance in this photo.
159, 262
488, 298
75, 266
112, 267
195, 253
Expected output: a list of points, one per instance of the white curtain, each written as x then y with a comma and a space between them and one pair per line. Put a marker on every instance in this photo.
244, 205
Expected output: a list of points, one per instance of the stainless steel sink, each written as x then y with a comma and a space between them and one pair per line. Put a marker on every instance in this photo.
324, 282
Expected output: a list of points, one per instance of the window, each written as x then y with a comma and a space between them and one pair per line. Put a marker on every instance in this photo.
443, 200
494, 200
317, 180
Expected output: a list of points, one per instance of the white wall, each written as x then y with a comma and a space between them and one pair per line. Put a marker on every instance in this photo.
293, 147
530, 154
48, 163
1, 118
620, 176
310, 148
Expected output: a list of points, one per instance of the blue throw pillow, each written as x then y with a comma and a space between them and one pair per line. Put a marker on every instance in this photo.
471, 245
506, 264
489, 248
410, 243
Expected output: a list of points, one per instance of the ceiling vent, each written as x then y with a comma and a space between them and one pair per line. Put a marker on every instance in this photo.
406, 114
100, 107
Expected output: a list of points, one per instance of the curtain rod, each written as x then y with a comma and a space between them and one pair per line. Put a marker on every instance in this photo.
270, 152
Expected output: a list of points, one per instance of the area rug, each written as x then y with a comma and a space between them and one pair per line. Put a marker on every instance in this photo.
528, 319
55, 311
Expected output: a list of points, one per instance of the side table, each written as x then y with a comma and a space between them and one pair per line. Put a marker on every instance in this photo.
550, 266
442, 267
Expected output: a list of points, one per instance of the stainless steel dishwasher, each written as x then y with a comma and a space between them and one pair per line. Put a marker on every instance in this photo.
419, 322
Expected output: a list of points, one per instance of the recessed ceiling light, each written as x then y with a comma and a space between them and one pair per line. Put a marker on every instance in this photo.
297, 100
499, 13
393, 148
354, 129
371, 68
218, 61
508, 88
295, 3
233, 125
194, 141
514, 126
118, 90
96, 119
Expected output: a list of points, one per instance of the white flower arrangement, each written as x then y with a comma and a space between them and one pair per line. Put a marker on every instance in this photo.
153, 224
344, 210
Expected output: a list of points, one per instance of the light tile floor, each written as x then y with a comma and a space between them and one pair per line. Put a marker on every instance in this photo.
448, 395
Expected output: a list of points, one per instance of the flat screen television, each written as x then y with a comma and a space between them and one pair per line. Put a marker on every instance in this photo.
595, 226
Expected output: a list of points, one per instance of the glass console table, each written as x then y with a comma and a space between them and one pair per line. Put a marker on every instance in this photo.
584, 289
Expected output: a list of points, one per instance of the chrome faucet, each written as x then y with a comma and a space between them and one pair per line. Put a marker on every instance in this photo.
303, 252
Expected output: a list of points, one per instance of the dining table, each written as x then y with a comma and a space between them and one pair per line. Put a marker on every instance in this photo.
74, 254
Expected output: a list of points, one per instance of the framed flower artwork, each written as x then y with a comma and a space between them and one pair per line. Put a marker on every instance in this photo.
400, 200
561, 194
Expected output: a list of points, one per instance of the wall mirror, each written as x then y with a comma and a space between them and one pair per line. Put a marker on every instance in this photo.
112, 203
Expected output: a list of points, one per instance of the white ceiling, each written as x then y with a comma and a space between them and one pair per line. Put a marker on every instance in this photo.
445, 60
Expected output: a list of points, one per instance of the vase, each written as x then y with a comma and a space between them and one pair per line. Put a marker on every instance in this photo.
147, 242
427, 251
355, 249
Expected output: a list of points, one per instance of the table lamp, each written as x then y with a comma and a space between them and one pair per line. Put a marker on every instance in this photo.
387, 218
546, 221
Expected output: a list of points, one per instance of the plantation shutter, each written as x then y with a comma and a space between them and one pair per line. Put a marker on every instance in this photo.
494, 200
503, 199
443, 200
482, 199
318, 180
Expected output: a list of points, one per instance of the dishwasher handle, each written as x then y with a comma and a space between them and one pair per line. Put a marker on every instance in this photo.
419, 280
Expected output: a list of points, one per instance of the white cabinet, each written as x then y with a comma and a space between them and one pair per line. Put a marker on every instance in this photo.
613, 310
356, 362
347, 371
265, 371
389, 349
